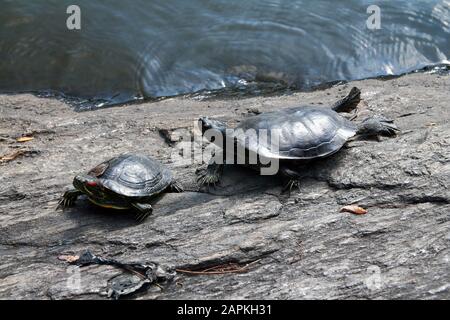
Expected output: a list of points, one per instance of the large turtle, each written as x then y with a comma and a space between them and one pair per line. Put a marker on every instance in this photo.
129, 181
303, 133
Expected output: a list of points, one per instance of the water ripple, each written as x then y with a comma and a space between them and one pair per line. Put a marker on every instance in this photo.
130, 50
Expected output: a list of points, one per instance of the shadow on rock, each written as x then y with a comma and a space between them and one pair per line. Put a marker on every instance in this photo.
237, 180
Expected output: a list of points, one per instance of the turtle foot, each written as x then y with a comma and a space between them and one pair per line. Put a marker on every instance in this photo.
143, 211
68, 199
293, 179
209, 176
378, 126
290, 185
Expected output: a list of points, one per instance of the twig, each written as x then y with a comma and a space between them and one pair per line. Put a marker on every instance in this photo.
212, 270
11, 156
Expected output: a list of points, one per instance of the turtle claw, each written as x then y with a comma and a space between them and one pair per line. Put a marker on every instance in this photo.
378, 126
143, 211
293, 183
176, 187
60, 205
140, 217
207, 178
68, 199
390, 130
388, 126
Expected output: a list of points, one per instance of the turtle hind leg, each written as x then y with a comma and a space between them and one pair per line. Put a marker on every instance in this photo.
143, 210
377, 126
211, 175
175, 187
350, 102
68, 199
293, 179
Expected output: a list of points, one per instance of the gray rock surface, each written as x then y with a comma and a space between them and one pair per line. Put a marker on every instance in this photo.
298, 246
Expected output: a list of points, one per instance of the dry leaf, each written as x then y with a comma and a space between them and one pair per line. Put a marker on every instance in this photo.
354, 209
24, 139
69, 259
11, 156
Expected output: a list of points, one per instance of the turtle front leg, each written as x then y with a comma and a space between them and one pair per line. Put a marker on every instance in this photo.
377, 126
293, 178
143, 210
68, 199
212, 174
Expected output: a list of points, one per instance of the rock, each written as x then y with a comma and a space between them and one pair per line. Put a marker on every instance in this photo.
300, 246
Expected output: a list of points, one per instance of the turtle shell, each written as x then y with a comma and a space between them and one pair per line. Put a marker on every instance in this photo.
133, 175
304, 132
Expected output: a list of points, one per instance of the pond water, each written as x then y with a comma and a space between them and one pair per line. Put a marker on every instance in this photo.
137, 49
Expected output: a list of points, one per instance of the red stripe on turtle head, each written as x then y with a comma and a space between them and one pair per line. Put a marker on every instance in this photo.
92, 183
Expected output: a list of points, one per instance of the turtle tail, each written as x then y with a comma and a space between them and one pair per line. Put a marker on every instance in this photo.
349, 103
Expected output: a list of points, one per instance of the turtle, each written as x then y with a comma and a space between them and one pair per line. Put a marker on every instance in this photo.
128, 181
305, 133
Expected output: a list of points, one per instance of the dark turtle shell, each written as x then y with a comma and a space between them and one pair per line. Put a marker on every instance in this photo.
133, 175
303, 133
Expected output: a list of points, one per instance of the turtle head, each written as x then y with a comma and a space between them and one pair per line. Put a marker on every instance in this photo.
89, 185
212, 127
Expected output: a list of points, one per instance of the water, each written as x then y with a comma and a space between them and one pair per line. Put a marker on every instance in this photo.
146, 49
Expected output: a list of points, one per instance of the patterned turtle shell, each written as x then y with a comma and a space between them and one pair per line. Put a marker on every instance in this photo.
133, 175
304, 132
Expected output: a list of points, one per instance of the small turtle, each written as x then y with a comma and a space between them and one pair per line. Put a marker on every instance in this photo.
128, 181
304, 133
